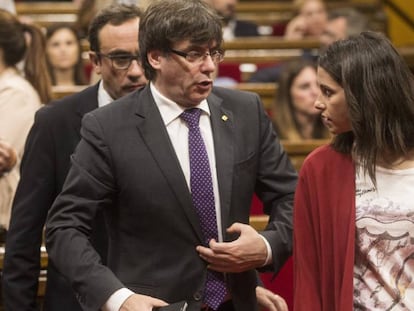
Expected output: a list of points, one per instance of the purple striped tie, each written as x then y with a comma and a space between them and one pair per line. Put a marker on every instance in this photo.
203, 200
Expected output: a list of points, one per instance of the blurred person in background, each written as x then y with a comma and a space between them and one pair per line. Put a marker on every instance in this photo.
294, 115
310, 21
232, 27
19, 96
64, 56
343, 23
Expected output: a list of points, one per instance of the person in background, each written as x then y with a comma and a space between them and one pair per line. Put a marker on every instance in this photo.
309, 22
19, 99
353, 219
64, 55
113, 38
233, 27
133, 163
343, 23
294, 115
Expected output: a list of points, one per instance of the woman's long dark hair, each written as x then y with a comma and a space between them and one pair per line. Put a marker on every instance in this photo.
379, 90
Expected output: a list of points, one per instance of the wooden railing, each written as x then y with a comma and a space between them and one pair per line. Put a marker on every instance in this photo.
47, 13
62, 91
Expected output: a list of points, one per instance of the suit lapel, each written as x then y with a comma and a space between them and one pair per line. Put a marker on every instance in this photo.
153, 132
223, 132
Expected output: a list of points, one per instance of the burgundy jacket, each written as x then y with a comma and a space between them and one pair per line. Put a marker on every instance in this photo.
324, 232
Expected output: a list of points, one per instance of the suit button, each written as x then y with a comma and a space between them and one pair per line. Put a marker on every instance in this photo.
197, 296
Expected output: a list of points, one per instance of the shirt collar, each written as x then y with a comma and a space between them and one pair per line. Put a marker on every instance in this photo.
103, 96
169, 109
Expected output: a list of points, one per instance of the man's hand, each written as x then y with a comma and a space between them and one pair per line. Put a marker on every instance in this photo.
138, 302
247, 252
269, 300
296, 28
8, 157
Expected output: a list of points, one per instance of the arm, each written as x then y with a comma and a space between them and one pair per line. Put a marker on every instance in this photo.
34, 196
89, 187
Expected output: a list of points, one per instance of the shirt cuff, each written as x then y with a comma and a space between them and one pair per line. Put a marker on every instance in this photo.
269, 256
116, 300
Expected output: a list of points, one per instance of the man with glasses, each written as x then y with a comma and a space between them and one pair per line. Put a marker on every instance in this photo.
114, 53
174, 167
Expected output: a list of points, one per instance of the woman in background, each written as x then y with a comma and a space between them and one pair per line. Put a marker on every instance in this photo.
64, 56
353, 214
20, 96
294, 115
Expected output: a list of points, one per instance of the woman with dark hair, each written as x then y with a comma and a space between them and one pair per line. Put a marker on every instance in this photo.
64, 56
353, 219
294, 115
20, 95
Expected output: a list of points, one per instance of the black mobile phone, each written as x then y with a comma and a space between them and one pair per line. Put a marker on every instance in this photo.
176, 306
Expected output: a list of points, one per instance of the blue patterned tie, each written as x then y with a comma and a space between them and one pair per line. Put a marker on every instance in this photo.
203, 200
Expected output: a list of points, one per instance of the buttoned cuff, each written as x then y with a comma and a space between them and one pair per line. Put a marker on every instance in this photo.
269, 256
116, 300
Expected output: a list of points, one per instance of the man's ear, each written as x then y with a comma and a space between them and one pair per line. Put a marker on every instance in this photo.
95, 61
154, 58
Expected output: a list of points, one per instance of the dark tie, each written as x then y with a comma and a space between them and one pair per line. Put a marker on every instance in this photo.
203, 200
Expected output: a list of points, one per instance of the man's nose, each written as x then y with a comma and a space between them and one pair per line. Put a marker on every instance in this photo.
135, 69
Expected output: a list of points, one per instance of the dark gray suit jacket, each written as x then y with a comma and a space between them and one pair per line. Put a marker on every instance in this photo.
46, 161
125, 164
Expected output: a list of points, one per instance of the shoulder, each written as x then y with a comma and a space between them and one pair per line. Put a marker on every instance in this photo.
120, 111
326, 162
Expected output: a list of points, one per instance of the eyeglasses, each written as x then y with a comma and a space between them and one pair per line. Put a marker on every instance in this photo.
121, 61
217, 56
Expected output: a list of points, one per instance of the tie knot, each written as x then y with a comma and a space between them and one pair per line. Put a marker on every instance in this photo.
191, 116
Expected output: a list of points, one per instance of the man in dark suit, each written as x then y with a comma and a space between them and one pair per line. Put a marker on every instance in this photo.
56, 132
133, 163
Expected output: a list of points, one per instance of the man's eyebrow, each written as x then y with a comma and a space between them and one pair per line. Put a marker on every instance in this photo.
122, 52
